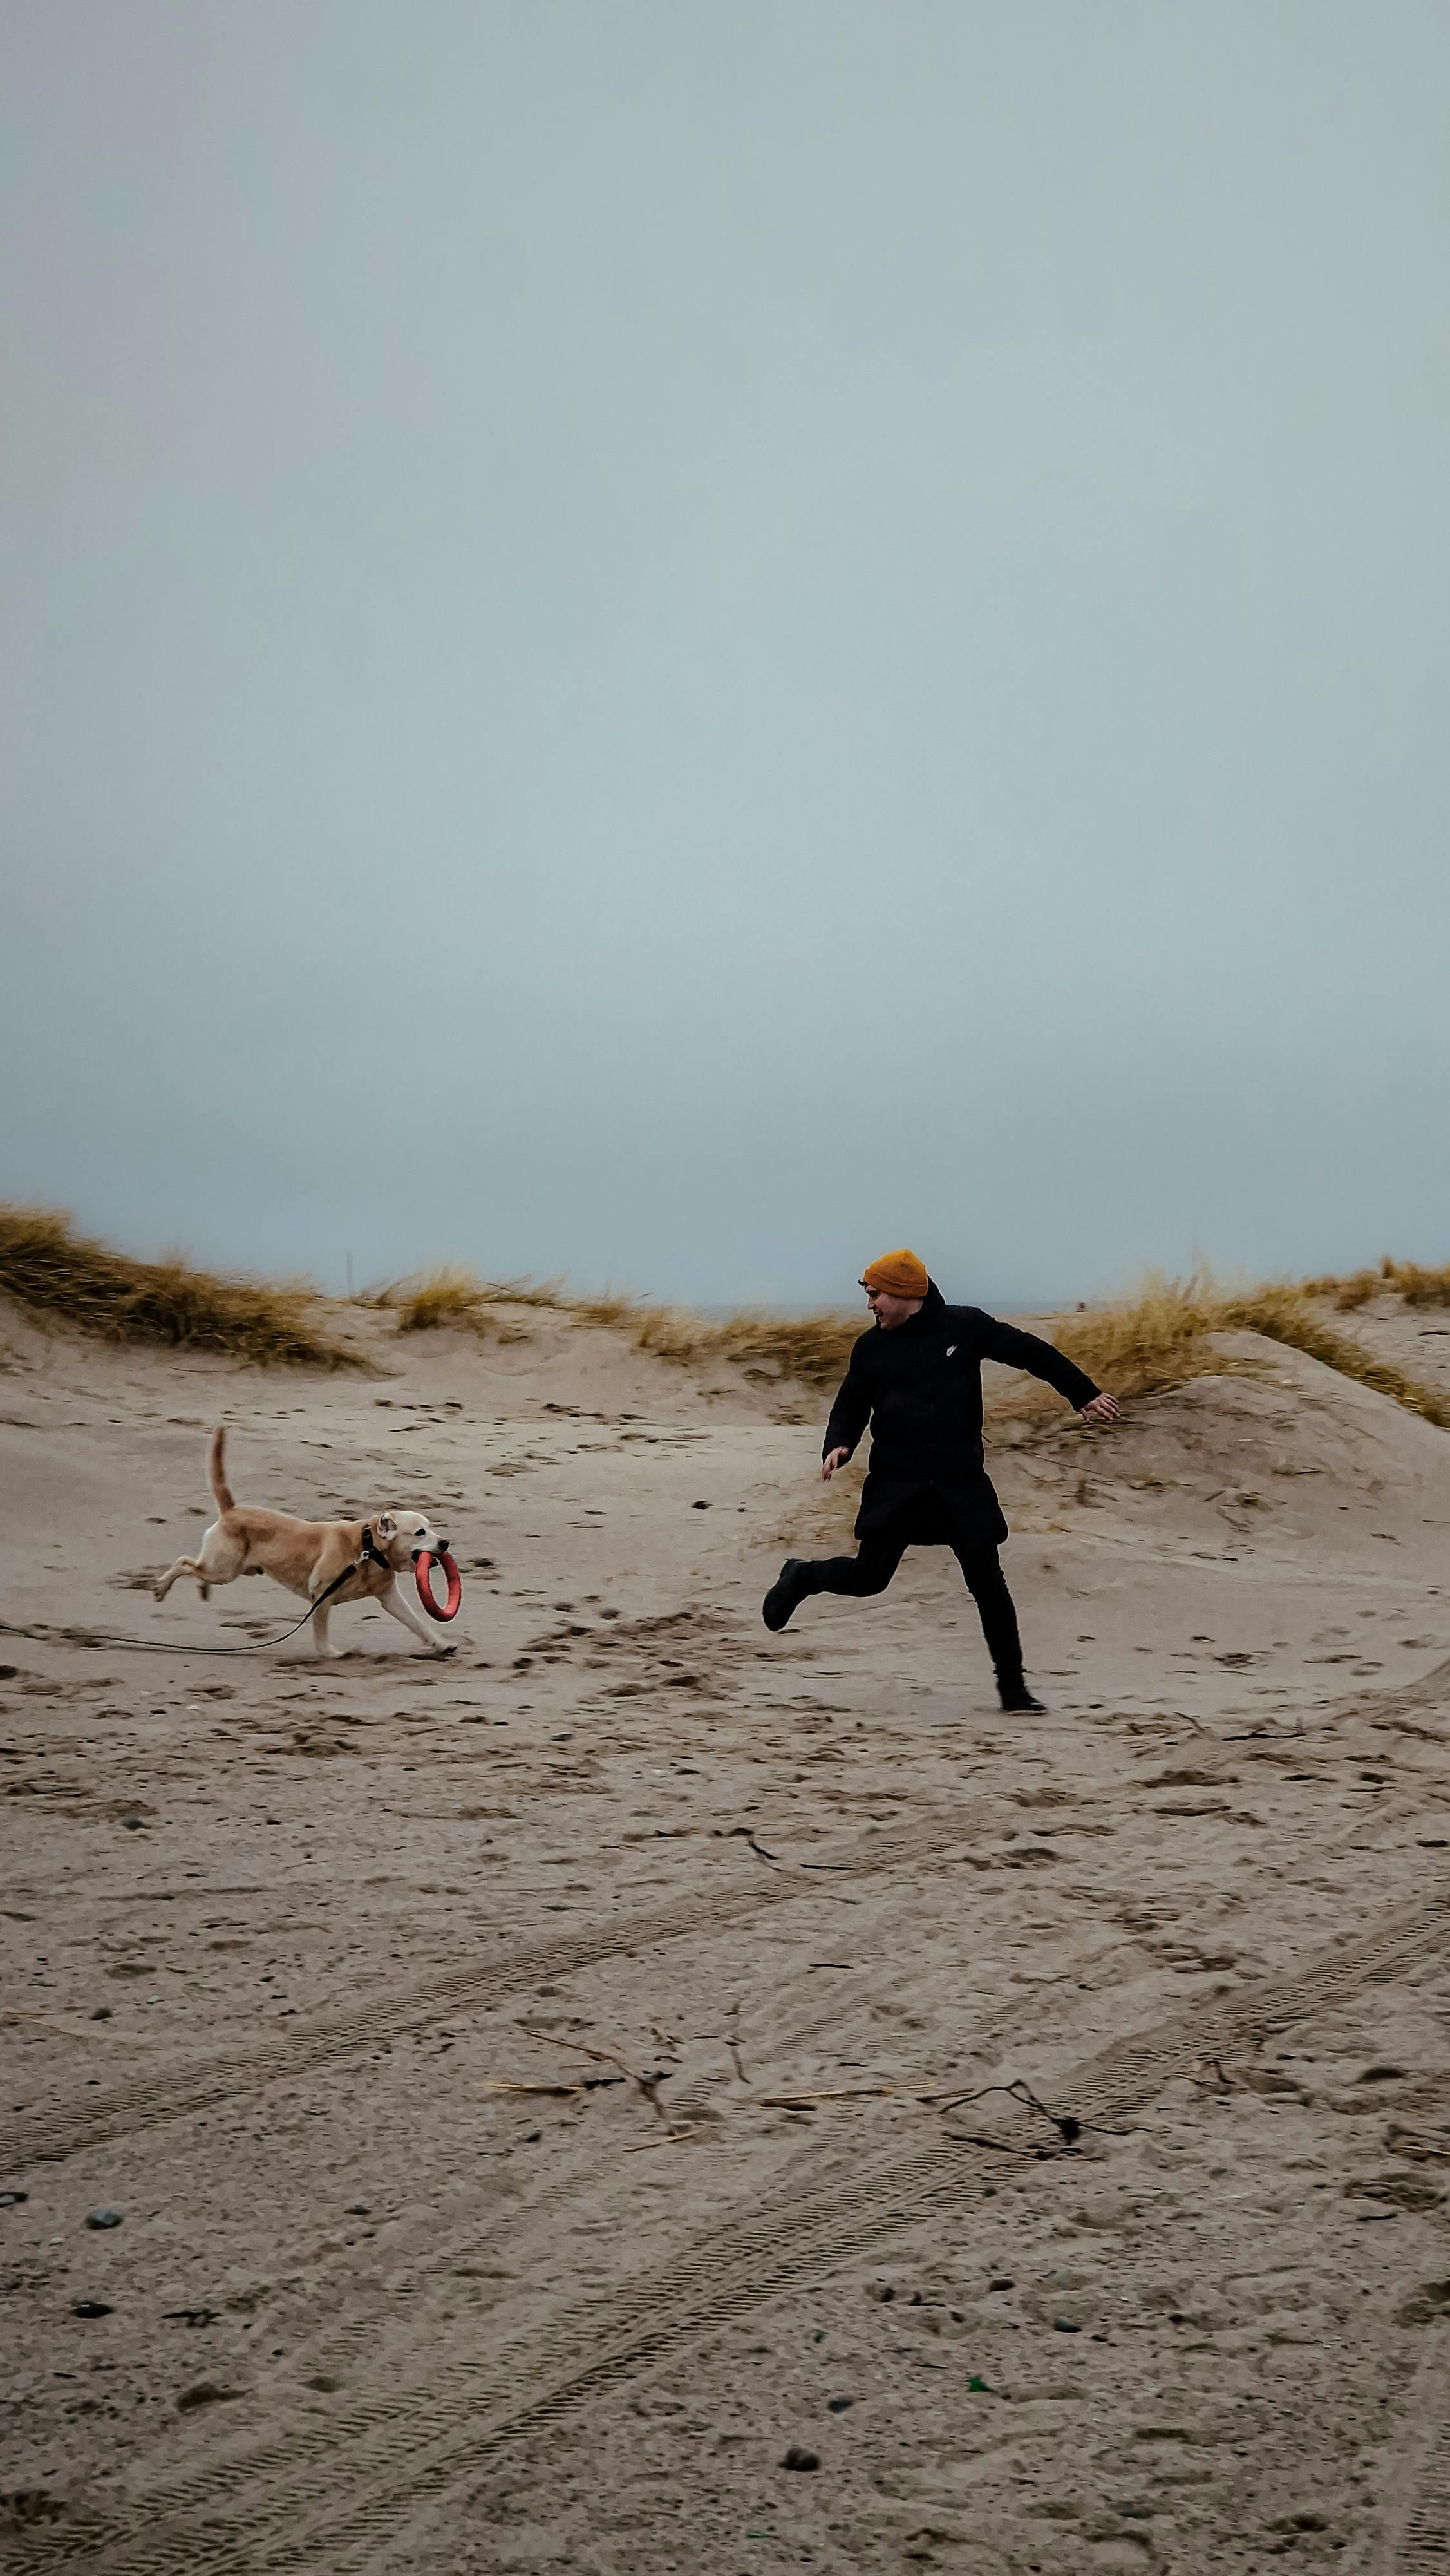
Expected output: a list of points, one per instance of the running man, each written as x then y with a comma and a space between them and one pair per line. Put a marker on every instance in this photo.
916, 1377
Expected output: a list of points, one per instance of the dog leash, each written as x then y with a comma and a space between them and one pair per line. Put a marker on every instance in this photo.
173, 1646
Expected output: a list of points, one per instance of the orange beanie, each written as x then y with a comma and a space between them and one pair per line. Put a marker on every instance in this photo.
899, 1273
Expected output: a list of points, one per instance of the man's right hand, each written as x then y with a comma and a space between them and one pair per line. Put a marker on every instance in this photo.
833, 1459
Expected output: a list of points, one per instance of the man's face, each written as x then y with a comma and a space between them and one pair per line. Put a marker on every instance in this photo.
890, 1311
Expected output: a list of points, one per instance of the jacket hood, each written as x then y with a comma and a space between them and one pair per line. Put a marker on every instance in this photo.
933, 1305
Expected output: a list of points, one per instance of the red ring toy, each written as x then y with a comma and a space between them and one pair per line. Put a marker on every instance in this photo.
423, 1572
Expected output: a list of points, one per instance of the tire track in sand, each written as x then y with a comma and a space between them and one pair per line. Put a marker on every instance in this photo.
51, 2134
48, 2135
296, 2503
1412, 2537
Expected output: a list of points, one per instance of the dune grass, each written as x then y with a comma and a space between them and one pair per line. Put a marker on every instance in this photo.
450, 1298
62, 1278
812, 1349
1408, 1279
1161, 1335
1170, 1330
1290, 1314
458, 1297
1157, 1337
453, 1294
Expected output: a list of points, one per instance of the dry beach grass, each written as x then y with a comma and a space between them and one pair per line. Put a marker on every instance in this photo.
454, 1295
62, 1278
1167, 1332
1161, 1334
1411, 1280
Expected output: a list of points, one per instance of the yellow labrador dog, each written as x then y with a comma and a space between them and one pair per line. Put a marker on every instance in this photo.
308, 1555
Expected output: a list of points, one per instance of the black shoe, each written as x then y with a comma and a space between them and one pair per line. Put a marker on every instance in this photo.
1015, 1696
786, 1593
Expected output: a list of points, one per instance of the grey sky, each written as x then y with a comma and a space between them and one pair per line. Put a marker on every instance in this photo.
680, 641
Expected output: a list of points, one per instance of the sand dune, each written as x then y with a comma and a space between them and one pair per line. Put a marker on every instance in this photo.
543, 2089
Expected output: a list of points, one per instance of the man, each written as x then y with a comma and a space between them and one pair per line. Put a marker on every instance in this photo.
916, 1377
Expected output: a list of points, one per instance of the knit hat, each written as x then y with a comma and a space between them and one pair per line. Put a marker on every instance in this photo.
899, 1273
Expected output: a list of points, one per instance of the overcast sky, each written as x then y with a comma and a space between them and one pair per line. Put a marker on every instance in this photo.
681, 639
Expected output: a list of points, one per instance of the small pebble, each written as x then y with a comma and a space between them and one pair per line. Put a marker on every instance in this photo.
1064, 2325
796, 2458
91, 2308
133, 1824
204, 2393
838, 2405
12, 2199
103, 2218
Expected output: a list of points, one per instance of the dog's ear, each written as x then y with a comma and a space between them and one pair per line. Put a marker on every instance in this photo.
385, 1528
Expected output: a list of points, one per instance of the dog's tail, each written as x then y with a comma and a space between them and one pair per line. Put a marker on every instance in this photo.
217, 1469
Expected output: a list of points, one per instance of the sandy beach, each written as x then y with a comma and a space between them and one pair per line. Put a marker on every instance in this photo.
668, 669
643, 2095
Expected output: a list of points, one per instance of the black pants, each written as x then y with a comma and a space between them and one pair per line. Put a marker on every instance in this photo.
876, 1560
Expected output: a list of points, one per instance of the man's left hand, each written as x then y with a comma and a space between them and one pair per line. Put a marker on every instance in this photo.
1103, 1408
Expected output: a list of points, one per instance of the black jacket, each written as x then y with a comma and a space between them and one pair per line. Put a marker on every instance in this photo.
920, 1388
